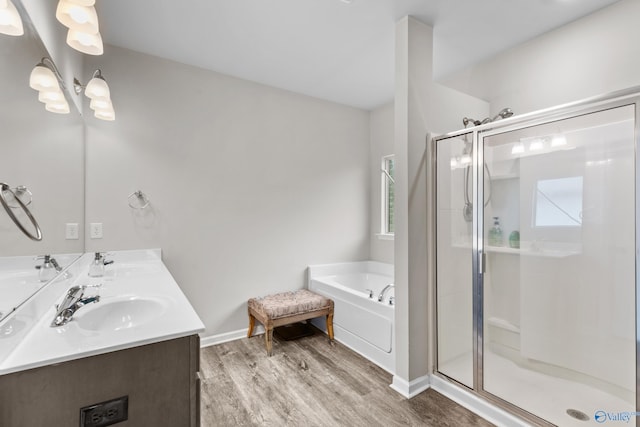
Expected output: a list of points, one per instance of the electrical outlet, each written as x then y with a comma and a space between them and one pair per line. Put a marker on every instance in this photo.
71, 232
95, 230
105, 413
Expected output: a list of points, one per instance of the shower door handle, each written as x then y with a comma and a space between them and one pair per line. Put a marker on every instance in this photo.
483, 263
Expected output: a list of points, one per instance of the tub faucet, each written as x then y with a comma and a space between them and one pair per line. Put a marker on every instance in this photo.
73, 300
384, 291
48, 269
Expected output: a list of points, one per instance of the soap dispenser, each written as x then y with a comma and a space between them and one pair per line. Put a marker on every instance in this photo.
495, 233
46, 271
96, 269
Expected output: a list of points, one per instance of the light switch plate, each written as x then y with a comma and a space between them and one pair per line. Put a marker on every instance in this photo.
71, 232
95, 230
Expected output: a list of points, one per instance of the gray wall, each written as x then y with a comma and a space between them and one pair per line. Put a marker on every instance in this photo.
422, 108
248, 184
591, 56
40, 150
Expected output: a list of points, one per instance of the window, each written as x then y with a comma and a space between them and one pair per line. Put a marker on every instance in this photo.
388, 195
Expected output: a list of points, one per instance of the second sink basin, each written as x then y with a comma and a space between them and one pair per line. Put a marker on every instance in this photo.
120, 313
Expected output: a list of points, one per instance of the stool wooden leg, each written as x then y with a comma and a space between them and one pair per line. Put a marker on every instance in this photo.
330, 325
252, 324
268, 338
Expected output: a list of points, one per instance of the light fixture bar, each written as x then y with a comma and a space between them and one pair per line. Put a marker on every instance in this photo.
47, 80
98, 91
80, 17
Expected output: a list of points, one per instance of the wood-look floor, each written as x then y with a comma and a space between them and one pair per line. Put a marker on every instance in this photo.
310, 382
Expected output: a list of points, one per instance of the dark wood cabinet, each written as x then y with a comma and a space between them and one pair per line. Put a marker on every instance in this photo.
160, 380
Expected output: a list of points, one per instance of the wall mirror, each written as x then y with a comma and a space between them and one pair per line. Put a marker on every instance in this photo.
42, 158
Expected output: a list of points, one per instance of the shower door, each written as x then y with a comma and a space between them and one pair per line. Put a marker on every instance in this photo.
548, 330
454, 255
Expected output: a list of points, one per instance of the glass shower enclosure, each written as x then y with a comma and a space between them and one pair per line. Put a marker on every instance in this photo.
536, 252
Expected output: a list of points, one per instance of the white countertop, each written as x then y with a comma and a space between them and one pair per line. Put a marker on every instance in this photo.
140, 303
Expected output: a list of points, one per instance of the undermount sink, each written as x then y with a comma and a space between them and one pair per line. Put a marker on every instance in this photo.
120, 314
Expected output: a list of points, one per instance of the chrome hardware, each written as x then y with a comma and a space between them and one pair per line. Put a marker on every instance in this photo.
370, 293
73, 300
5, 188
391, 300
384, 291
138, 200
49, 262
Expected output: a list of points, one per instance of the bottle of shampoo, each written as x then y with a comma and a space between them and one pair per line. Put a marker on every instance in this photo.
495, 233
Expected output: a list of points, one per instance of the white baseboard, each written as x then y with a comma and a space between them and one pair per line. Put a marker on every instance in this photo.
476, 404
411, 388
206, 341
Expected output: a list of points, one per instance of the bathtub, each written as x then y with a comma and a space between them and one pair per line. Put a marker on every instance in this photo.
361, 323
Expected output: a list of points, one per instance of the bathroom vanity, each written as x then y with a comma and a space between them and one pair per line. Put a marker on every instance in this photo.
131, 353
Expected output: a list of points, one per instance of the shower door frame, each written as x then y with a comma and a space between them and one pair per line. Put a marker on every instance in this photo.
591, 105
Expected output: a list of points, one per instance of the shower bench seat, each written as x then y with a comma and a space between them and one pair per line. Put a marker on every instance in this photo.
286, 308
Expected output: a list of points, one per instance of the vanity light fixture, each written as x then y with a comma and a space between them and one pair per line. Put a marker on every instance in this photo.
10, 21
98, 91
82, 20
46, 79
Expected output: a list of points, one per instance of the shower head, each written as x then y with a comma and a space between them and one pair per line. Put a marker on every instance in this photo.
503, 114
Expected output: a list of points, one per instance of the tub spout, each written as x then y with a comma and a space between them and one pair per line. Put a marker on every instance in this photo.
384, 291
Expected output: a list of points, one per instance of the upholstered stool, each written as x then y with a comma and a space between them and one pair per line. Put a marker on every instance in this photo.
288, 307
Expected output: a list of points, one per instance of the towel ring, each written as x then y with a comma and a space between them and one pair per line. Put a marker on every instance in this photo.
5, 187
20, 191
138, 200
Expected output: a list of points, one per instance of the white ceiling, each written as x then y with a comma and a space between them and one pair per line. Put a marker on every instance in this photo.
329, 49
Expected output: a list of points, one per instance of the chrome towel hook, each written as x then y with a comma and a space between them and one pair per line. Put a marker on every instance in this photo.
138, 200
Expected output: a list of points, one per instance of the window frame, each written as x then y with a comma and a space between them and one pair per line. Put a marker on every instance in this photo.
386, 209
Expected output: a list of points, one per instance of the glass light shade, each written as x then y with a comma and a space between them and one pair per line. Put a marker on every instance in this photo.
77, 17
51, 96
97, 88
536, 145
58, 107
558, 141
10, 21
90, 44
108, 115
43, 79
100, 104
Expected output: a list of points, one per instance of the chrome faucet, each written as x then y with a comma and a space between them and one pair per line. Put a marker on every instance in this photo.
73, 300
48, 269
384, 291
